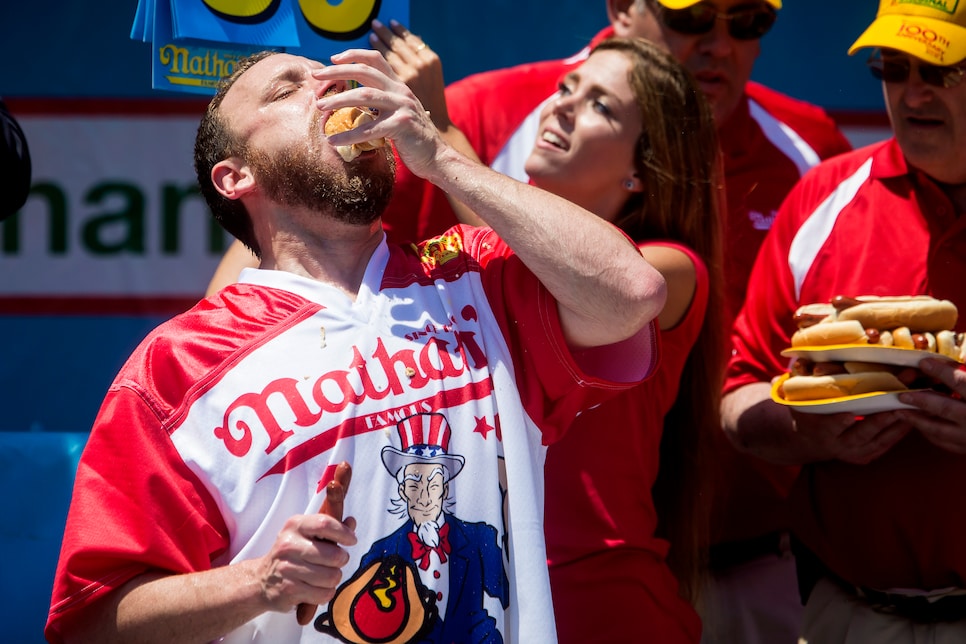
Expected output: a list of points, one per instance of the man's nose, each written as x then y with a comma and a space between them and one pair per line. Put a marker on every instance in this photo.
916, 92
718, 42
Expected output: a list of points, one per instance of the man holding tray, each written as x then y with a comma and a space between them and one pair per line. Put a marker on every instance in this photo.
882, 557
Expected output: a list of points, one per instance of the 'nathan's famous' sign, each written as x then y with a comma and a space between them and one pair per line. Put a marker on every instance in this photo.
196, 42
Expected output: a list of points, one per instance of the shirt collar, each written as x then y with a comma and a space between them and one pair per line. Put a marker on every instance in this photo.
314, 290
888, 162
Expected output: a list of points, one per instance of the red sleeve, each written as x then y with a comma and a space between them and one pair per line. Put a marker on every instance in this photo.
129, 469
554, 386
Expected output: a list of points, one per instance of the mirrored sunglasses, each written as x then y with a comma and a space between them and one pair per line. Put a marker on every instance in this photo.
745, 22
898, 70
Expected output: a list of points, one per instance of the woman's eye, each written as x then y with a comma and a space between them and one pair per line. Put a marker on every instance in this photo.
601, 108
563, 90
285, 92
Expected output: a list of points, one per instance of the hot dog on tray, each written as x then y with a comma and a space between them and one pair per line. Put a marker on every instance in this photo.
821, 380
908, 322
912, 322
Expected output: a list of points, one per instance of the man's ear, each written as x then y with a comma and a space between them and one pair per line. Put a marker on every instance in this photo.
232, 178
618, 11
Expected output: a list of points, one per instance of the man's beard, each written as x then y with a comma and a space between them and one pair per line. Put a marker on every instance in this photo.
293, 178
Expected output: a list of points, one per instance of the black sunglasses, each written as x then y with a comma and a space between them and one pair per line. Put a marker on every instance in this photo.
898, 71
745, 22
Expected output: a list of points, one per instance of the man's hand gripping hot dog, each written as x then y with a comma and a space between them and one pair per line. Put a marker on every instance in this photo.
795, 438
943, 417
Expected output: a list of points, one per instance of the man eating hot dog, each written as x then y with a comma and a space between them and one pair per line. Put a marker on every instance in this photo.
882, 557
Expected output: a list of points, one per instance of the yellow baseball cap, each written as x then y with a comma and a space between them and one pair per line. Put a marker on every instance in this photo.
931, 30
684, 4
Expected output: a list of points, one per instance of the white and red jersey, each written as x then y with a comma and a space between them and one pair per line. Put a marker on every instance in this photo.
232, 417
864, 223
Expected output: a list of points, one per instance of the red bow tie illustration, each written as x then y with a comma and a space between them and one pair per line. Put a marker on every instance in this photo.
421, 550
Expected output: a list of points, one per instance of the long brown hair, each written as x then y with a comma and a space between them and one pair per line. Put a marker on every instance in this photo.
679, 163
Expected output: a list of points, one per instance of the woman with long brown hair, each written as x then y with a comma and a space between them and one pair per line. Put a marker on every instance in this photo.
630, 137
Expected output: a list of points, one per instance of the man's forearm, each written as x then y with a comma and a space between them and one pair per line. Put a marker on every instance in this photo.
605, 289
195, 607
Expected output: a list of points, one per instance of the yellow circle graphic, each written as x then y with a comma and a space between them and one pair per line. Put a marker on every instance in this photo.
339, 20
244, 10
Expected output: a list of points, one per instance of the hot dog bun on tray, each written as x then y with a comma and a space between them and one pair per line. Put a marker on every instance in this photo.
349, 118
832, 336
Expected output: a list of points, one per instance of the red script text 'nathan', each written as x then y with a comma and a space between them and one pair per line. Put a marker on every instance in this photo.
432, 363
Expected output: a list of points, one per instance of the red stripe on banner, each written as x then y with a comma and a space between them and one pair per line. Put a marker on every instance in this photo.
126, 305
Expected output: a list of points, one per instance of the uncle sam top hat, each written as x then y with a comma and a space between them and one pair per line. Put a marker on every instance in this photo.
424, 438
931, 30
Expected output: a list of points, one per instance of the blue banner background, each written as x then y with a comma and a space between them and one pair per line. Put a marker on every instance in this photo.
74, 48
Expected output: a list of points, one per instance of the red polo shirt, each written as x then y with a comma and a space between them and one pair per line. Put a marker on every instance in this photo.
864, 223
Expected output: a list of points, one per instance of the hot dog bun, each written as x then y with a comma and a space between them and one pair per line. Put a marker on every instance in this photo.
349, 118
799, 388
903, 321
824, 333
919, 313
810, 314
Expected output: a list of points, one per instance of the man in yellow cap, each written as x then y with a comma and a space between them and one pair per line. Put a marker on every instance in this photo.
876, 505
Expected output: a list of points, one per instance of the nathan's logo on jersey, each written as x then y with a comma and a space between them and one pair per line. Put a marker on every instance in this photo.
371, 377
440, 250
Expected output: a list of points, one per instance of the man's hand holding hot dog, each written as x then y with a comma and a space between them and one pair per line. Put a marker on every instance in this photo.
849, 438
943, 422
782, 435
417, 65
